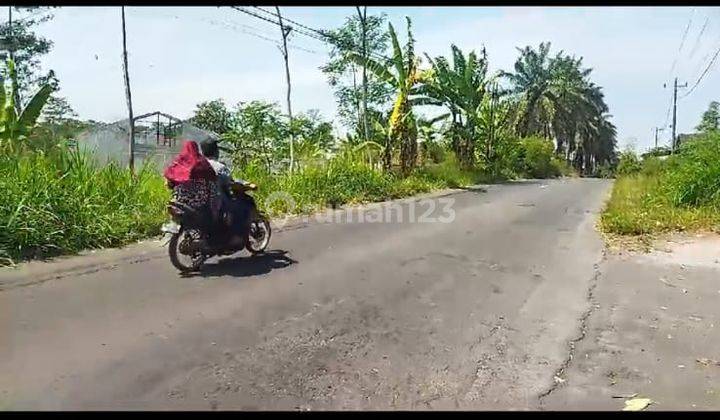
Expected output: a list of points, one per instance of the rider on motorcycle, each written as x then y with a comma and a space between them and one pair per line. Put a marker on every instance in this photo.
236, 212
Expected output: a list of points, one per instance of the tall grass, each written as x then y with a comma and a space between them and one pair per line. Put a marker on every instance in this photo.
679, 193
61, 202
347, 180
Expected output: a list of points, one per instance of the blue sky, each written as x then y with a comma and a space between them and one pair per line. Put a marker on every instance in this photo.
180, 56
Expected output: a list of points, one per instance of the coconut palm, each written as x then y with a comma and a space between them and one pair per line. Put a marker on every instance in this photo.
555, 99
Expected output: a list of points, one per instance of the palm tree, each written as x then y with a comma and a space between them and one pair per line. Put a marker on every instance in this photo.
532, 85
401, 72
557, 100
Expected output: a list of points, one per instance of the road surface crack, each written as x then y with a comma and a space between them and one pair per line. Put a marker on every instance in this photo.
558, 378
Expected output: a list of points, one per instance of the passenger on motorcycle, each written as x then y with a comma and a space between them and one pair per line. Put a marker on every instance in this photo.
192, 179
236, 213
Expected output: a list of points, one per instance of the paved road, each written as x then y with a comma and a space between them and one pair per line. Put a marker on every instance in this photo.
478, 313
653, 331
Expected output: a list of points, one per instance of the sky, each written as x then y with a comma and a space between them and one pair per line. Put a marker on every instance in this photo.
180, 56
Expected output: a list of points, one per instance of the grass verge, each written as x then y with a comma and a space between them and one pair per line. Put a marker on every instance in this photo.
678, 194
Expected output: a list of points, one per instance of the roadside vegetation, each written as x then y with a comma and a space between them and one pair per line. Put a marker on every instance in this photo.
680, 192
413, 123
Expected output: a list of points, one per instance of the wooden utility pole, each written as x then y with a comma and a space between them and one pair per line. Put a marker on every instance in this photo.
131, 121
285, 32
674, 123
363, 23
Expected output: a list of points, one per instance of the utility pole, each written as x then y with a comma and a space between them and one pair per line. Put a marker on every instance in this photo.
285, 32
131, 121
674, 123
363, 24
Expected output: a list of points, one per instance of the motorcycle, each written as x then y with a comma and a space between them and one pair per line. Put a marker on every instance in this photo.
195, 238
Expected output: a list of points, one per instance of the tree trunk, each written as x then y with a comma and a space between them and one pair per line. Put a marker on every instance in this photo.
358, 105
285, 32
11, 55
387, 152
363, 23
491, 133
409, 146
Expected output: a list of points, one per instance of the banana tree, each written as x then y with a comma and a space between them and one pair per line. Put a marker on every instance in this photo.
460, 86
493, 122
427, 134
14, 126
402, 73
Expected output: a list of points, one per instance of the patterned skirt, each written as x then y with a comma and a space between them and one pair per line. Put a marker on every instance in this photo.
198, 194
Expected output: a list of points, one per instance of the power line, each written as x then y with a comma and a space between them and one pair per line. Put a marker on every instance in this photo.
320, 35
325, 36
234, 26
248, 12
697, 41
674, 63
703, 73
255, 34
293, 22
687, 29
682, 43
704, 59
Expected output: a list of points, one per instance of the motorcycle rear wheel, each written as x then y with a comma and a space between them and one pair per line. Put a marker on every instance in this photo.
259, 235
179, 240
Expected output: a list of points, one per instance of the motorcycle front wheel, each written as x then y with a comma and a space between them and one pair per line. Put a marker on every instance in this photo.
259, 235
183, 251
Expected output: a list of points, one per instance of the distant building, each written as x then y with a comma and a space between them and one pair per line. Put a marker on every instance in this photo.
158, 139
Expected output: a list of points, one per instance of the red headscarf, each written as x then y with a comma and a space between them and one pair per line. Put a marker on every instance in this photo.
189, 164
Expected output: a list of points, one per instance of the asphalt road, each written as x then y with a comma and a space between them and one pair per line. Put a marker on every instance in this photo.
480, 312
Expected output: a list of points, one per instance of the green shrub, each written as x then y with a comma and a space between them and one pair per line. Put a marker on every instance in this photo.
536, 158
653, 166
628, 163
693, 177
605, 170
561, 167
639, 206
434, 152
681, 192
